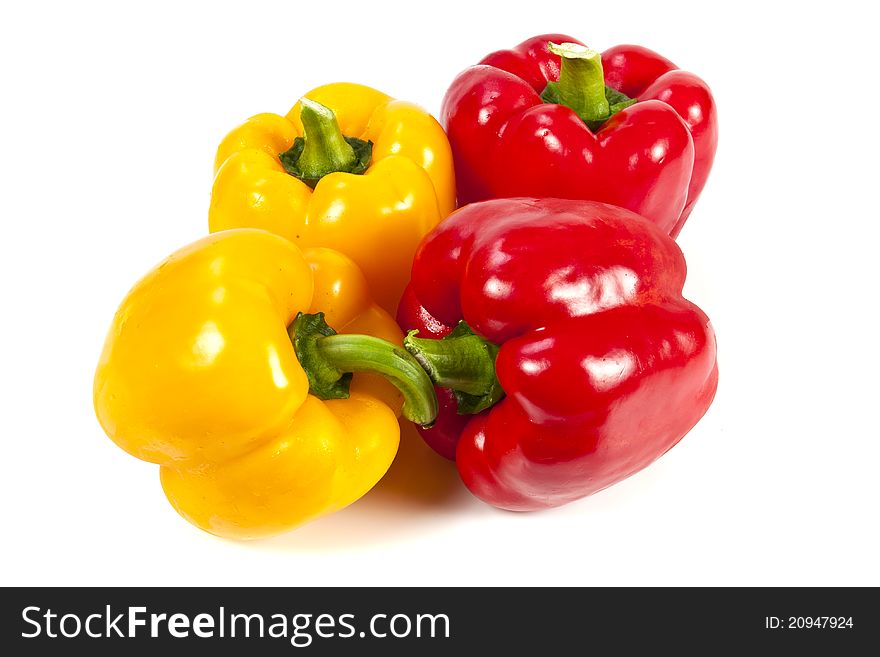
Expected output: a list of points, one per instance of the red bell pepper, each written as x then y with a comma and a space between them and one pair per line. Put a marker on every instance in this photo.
534, 122
577, 355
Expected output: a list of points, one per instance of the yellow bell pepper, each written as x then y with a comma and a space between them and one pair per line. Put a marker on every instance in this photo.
199, 374
378, 218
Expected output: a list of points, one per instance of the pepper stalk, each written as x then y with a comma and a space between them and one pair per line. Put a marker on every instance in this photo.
462, 361
581, 86
323, 149
329, 359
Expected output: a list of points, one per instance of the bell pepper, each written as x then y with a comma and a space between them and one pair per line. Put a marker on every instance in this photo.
348, 168
566, 357
211, 370
551, 117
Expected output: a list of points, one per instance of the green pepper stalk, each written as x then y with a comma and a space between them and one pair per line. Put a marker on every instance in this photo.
324, 149
581, 85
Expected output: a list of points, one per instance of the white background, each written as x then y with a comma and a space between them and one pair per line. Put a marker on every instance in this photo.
110, 118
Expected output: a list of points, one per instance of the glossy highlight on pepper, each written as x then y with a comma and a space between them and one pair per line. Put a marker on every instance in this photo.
198, 374
376, 215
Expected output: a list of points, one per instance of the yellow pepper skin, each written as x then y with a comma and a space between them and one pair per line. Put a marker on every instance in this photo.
198, 374
377, 219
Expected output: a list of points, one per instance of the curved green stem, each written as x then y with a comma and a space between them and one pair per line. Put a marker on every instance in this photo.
323, 149
328, 360
463, 362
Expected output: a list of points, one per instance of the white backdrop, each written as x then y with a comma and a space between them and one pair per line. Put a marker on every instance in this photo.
110, 117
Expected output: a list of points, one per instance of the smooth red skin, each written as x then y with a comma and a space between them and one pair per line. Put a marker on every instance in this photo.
604, 364
653, 157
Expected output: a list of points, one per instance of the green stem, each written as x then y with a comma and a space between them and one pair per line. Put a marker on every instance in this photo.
581, 83
323, 149
328, 360
463, 362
